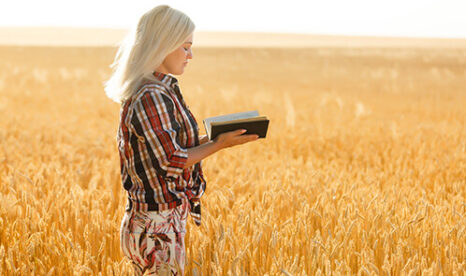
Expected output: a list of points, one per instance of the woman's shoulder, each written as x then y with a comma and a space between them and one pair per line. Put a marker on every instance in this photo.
151, 88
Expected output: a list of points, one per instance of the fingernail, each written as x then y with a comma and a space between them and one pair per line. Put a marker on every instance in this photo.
243, 130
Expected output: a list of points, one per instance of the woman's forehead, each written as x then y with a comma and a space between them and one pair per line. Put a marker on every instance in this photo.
189, 39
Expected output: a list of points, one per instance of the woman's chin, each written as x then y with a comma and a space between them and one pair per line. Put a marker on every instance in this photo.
178, 72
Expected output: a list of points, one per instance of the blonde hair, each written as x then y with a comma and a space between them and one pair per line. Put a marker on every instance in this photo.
159, 32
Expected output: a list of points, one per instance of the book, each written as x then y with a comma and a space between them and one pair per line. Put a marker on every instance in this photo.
250, 120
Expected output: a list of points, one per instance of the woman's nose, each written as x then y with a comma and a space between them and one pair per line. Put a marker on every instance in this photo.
190, 54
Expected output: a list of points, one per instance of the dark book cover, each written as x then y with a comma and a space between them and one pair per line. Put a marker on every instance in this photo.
252, 127
249, 120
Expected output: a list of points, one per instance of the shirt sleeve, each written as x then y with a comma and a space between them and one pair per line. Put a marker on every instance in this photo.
155, 113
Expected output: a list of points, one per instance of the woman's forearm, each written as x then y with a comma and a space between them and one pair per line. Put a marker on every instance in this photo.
198, 153
224, 140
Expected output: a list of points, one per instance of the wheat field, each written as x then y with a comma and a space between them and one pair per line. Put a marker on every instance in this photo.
363, 171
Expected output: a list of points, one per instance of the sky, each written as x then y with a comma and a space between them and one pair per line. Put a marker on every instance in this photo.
400, 18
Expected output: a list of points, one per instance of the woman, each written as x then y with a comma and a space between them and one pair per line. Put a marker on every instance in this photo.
158, 141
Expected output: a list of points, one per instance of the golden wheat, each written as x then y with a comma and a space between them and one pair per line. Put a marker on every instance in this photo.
363, 170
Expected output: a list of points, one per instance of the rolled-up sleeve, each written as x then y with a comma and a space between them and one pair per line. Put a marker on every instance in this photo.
155, 113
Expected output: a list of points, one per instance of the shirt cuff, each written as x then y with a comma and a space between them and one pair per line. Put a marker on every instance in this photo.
177, 162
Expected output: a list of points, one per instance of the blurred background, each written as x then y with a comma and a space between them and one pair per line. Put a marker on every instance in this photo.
363, 170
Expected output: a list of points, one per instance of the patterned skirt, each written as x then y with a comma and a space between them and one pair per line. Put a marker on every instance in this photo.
154, 241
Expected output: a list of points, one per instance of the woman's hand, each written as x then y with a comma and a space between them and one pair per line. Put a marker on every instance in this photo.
234, 138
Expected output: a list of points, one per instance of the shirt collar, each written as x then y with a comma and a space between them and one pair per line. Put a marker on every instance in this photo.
166, 78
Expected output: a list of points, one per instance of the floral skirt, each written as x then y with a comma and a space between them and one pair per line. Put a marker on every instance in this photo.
154, 241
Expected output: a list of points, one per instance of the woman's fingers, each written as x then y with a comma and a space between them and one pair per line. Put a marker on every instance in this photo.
237, 132
231, 134
247, 138
235, 137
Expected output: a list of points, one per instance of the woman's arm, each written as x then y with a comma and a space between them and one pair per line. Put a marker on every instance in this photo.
224, 140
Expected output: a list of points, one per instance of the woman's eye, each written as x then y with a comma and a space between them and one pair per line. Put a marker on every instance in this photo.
185, 49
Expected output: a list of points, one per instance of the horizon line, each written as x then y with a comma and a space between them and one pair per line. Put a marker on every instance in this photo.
100, 36
238, 31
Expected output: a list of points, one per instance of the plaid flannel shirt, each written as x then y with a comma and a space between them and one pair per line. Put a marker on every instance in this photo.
156, 129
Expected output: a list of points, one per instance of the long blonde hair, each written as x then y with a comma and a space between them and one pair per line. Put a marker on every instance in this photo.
159, 32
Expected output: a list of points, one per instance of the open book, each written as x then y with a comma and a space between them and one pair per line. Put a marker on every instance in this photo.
250, 120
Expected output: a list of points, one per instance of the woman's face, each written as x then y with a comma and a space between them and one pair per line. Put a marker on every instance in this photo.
175, 62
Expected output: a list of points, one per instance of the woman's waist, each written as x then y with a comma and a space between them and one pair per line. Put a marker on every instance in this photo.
141, 182
143, 199
138, 205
